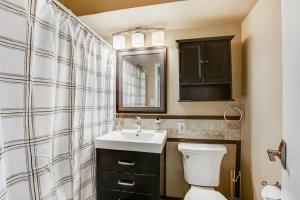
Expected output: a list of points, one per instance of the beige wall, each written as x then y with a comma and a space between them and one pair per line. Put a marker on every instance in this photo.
176, 186
199, 108
262, 85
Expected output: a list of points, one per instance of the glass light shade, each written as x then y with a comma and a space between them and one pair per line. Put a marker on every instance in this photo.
138, 39
158, 38
119, 42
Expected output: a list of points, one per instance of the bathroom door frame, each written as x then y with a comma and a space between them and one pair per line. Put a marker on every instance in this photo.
291, 97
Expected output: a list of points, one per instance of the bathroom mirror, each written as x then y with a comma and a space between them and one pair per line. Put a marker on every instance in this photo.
141, 80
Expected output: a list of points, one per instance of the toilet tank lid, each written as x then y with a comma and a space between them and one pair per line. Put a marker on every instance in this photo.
192, 147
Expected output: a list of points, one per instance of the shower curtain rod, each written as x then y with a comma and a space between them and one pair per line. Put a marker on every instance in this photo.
69, 12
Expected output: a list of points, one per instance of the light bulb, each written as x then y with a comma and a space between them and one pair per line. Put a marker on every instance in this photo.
158, 38
138, 39
119, 42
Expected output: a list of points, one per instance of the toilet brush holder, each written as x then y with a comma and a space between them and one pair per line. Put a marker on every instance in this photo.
234, 178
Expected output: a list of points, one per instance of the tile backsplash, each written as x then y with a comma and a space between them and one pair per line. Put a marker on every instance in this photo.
195, 128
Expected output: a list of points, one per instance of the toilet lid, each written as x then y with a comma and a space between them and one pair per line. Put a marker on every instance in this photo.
203, 194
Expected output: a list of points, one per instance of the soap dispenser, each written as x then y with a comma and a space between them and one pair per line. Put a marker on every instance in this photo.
157, 125
119, 123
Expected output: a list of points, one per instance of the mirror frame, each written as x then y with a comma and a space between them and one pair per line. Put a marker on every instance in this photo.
163, 81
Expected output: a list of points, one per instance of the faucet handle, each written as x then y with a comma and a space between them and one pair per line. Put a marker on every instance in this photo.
138, 119
277, 184
264, 183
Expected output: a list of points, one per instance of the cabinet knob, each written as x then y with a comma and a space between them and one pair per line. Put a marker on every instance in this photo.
201, 61
206, 61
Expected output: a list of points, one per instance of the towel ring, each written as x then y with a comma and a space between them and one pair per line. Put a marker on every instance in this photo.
230, 109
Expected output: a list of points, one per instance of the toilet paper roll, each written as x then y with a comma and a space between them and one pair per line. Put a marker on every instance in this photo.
271, 192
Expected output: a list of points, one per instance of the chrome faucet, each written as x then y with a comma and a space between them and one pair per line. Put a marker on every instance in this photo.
138, 124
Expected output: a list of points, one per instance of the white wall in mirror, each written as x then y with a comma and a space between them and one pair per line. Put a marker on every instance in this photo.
141, 80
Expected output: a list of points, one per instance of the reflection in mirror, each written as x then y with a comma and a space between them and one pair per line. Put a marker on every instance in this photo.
141, 80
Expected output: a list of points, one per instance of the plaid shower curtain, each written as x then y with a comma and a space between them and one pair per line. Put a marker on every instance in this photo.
56, 96
134, 85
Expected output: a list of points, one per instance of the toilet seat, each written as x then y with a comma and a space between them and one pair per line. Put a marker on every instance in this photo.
198, 193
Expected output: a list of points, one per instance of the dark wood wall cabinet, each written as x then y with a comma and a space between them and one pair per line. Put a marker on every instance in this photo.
127, 175
205, 69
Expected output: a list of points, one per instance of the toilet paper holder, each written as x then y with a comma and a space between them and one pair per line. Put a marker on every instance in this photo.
277, 184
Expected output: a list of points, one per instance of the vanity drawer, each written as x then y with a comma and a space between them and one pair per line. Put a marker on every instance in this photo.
119, 195
128, 161
138, 183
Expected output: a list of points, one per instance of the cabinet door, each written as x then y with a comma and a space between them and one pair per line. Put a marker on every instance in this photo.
128, 161
217, 61
191, 63
120, 181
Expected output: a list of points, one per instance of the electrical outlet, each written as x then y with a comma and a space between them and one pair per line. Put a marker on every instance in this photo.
181, 128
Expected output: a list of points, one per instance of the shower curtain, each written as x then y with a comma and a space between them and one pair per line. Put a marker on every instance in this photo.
134, 85
56, 96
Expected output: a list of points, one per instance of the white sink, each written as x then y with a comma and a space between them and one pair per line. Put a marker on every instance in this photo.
130, 140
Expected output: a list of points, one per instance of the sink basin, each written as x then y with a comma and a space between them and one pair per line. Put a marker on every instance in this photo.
130, 140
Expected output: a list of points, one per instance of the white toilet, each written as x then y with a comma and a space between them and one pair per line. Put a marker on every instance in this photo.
202, 163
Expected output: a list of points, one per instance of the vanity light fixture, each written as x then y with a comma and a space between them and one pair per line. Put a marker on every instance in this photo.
138, 35
119, 42
158, 38
138, 39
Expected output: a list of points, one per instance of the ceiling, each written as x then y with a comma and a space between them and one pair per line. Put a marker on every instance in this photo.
86, 7
176, 15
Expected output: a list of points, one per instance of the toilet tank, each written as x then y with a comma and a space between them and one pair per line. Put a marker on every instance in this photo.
202, 163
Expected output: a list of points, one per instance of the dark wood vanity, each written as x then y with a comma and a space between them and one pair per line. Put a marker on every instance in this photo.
205, 69
128, 175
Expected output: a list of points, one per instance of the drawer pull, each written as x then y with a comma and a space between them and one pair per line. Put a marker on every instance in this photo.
127, 163
126, 183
